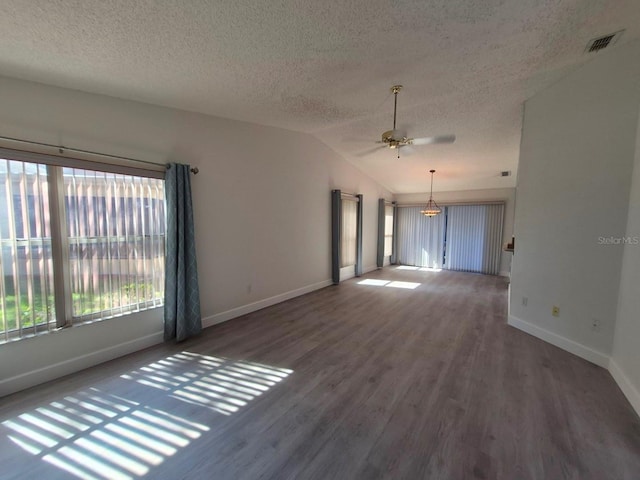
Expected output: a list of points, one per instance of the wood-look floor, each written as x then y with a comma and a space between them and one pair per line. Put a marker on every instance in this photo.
349, 382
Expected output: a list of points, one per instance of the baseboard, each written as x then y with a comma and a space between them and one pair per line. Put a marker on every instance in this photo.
629, 390
370, 268
559, 341
505, 273
582, 351
72, 365
260, 304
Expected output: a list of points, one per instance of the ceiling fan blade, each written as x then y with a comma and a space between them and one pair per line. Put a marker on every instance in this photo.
432, 140
368, 152
352, 139
407, 150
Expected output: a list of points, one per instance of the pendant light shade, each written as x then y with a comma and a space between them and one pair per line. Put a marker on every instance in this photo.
431, 209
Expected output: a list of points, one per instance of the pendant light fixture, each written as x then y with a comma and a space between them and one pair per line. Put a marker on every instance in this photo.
431, 209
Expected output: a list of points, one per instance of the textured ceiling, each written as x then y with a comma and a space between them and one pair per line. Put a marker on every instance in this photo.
326, 67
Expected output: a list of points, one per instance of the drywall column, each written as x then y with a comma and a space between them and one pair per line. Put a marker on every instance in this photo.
574, 176
625, 360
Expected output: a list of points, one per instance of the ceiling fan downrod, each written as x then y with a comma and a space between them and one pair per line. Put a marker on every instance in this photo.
394, 142
395, 89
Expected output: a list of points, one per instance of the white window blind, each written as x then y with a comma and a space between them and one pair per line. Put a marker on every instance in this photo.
420, 238
474, 237
348, 232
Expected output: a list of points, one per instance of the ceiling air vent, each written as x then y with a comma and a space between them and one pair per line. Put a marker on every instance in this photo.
599, 43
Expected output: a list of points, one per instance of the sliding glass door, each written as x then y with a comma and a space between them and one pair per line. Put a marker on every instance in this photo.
420, 238
474, 237
464, 238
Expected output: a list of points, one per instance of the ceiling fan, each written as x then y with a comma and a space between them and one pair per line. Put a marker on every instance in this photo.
395, 139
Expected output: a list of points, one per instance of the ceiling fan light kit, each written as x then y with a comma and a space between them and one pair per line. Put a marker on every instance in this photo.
431, 209
395, 139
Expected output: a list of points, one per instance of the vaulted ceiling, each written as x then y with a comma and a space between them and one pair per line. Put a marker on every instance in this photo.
325, 68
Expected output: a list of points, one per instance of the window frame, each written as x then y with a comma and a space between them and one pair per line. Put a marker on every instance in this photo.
388, 236
60, 241
349, 237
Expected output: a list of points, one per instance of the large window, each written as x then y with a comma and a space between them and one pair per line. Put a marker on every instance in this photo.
349, 232
76, 245
26, 283
346, 235
388, 230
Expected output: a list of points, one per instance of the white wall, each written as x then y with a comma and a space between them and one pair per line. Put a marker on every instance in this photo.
625, 359
574, 176
507, 195
262, 211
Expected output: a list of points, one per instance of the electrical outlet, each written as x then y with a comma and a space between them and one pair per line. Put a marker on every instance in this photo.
525, 300
595, 325
555, 311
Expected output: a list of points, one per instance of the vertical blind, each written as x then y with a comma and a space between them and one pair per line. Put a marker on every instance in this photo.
420, 238
474, 234
388, 230
115, 226
26, 261
348, 234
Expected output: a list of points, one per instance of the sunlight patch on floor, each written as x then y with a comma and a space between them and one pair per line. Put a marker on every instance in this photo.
418, 269
388, 283
218, 383
374, 283
92, 434
407, 285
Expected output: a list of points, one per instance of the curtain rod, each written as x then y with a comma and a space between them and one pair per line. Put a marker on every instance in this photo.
446, 204
349, 195
62, 148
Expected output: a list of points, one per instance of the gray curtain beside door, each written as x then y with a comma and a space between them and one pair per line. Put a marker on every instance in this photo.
381, 224
336, 226
359, 236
